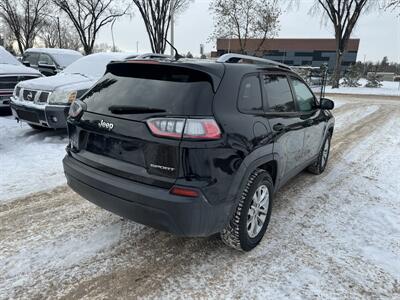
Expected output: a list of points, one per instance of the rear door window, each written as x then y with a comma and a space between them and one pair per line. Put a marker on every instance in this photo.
278, 92
45, 59
250, 97
142, 89
32, 58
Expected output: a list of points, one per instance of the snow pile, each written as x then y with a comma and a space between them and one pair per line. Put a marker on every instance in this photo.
389, 88
30, 160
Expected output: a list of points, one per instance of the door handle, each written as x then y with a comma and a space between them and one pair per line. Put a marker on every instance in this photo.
309, 122
279, 127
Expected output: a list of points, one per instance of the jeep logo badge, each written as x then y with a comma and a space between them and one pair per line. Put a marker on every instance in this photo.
105, 125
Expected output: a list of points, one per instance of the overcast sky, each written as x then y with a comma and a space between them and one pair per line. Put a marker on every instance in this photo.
379, 31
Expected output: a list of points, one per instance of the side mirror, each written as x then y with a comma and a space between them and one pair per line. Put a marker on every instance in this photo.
43, 64
26, 63
326, 104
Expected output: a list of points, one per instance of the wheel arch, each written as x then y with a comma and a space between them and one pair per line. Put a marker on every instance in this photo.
249, 165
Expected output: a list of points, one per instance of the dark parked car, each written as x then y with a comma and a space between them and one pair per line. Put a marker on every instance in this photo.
11, 73
49, 61
196, 148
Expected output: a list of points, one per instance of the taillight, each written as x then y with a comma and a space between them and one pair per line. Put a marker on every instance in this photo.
184, 192
202, 129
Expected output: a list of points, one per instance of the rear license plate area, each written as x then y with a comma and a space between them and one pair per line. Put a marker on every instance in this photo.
128, 151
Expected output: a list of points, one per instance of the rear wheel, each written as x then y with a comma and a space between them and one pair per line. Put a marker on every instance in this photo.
250, 221
319, 165
37, 127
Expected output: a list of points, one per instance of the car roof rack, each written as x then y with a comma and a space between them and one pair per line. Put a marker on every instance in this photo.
235, 58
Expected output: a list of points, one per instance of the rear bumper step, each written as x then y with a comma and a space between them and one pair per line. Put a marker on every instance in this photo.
145, 204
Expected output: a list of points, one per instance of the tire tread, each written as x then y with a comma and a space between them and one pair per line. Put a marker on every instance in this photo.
230, 235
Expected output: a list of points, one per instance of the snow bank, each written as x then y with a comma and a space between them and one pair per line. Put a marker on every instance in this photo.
389, 88
30, 161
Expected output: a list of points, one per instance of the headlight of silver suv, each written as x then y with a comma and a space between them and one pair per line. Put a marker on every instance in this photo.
62, 97
16, 91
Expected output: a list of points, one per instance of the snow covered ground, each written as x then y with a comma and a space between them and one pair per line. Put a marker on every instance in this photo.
334, 236
389, 88
30, 160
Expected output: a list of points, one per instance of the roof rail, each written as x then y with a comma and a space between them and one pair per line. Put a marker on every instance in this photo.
235, 58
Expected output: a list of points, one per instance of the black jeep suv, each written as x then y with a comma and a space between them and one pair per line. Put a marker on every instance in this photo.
196, 148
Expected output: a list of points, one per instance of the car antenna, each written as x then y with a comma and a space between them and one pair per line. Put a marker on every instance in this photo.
177, 55
324, 71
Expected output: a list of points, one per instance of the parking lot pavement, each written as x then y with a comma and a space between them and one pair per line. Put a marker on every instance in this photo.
331, 236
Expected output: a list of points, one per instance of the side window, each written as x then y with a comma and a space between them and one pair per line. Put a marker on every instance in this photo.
250, 98
32, 58
45, 59
305, 98
278, 92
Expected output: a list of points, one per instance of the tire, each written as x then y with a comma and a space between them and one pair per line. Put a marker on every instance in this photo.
37, 127
318, 167
240, 233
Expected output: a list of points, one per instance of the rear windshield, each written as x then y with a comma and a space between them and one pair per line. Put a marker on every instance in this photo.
166, 89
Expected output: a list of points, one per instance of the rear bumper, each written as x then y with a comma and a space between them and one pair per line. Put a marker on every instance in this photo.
43, 115
145, 204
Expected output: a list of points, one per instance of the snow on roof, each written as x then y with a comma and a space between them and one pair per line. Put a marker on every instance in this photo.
7, 58
94, 65
54, 51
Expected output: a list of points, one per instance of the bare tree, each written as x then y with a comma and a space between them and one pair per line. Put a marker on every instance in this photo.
50, 35
156, 15
393, 5
25, 19
89, 16
6, 37
343, 15
62, 35
104, 47
245, 19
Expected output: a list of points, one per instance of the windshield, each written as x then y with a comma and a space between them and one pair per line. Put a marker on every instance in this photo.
7, 58
65, 60
93, 65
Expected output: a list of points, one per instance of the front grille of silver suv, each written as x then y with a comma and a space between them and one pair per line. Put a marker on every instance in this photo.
39, 97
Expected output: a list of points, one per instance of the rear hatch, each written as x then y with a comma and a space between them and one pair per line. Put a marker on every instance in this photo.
113, 134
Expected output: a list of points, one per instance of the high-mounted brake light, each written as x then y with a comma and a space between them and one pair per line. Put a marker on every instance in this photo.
201, 129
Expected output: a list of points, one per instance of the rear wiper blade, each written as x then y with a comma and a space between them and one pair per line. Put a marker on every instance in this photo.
125, 110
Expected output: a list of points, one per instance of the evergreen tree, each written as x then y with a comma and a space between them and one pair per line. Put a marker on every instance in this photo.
374, 80
384, 65
351, 77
